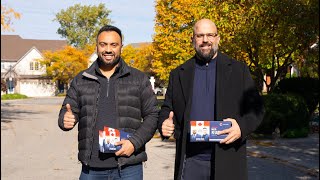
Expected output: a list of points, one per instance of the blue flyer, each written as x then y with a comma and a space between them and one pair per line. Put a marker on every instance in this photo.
206, 131
108, 137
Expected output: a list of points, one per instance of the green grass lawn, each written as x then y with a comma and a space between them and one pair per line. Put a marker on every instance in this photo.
13, 96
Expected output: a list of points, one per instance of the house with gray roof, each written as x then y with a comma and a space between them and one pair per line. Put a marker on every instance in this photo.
20, 68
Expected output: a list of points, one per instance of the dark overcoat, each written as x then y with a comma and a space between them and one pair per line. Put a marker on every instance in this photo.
236, 97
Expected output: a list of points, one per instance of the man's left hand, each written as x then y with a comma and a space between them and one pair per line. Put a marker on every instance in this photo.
127, 148
233, 132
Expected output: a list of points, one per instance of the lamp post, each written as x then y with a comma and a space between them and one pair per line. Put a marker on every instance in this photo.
152, 81
131, 62
10, 89
290, 69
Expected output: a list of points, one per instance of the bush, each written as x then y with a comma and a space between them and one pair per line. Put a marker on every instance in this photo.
160, 102
308, 88
288, 112
13, 96
295, 133
61, 95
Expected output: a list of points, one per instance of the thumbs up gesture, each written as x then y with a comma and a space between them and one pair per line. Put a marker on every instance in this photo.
168, 126
69, 119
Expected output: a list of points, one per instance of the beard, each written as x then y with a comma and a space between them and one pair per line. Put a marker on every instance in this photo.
104, 63
206, 56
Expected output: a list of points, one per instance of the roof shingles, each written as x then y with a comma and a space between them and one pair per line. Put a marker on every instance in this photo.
13, 47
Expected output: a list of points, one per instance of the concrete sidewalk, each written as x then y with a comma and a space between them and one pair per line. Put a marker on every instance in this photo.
299, 153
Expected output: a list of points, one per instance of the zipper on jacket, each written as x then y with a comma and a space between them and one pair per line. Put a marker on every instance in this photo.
119, 168
94, 119
207, 86
108, 85
116, 86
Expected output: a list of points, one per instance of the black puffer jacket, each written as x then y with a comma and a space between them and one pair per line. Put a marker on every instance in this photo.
136, 107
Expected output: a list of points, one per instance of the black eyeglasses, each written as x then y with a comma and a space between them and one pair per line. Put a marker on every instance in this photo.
209, 35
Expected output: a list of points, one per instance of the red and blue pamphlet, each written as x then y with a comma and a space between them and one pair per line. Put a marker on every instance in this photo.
108, 137
206, 131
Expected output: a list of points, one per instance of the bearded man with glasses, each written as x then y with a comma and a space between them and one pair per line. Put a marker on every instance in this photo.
210, 86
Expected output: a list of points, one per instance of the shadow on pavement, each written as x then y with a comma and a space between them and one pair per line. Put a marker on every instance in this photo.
301, 154
10, 113
171, 146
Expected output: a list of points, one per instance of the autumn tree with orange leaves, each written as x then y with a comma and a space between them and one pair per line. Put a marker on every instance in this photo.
267, 35
139, 57
63, 65
6, 17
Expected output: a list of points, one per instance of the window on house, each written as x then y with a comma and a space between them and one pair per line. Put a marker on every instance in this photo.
36, 65
31, 66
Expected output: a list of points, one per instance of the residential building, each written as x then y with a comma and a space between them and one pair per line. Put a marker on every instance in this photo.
20, 68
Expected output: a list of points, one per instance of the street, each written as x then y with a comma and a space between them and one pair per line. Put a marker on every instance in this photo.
33, 147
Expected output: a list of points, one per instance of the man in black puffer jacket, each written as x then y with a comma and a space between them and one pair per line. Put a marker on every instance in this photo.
110, 94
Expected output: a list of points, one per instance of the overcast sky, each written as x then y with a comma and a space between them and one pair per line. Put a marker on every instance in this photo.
134, 17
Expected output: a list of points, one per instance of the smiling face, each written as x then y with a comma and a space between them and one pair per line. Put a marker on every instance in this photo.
109, 48
194, 131
205, 39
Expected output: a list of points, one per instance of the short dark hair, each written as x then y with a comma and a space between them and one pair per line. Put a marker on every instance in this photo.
110, 28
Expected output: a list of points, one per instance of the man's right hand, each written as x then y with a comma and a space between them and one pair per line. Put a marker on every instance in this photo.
69, 119
168, 126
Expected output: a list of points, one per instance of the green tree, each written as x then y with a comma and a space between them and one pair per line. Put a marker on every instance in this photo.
80, 24
267, 35
272, 35
309, 63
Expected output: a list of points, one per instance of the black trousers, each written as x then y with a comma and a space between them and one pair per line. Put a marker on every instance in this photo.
196, 169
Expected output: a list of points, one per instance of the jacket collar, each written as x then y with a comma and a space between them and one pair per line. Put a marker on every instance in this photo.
186, 75
90, 72
224, 69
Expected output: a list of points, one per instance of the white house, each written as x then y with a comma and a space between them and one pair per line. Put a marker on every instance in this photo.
19, 66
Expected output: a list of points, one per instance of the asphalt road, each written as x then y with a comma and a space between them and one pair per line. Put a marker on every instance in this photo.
33, 147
